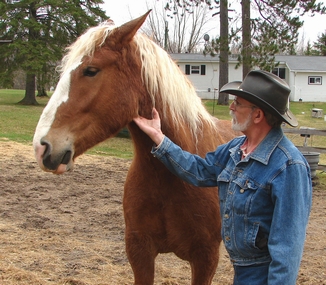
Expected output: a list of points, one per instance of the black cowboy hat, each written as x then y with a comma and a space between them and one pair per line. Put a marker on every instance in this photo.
265, 90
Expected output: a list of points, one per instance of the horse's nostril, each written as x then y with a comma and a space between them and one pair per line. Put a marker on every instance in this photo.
66, 158
52, 160
47, 150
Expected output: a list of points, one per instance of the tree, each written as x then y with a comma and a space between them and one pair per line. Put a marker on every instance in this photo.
178, 25
246, 38
40, 31
223, 98
273, 30
320, 44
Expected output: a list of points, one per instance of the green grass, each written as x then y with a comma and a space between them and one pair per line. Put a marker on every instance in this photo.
18, 123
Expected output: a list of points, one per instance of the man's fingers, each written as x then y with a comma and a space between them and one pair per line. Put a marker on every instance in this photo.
155, 114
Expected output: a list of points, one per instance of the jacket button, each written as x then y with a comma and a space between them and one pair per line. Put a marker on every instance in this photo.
227, 238
242, 190
226, 216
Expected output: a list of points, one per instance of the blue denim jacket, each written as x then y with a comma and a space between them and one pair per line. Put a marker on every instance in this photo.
265, 199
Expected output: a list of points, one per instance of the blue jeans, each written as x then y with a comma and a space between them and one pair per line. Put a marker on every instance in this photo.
251, 275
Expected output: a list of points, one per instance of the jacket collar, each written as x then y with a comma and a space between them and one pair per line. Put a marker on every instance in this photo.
264, 150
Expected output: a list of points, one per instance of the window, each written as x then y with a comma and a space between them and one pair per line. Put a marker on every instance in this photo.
280, 72
314, 80
195, 69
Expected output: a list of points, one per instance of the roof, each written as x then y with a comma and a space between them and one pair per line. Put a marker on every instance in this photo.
293, 62
303, 63
198, 57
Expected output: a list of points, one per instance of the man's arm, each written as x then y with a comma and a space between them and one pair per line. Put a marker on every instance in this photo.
292, 196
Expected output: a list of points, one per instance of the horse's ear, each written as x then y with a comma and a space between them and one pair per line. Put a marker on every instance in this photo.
123, 35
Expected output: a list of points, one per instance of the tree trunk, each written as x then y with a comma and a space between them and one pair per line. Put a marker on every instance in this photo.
246, 38
41, 92
29, 98
223, 98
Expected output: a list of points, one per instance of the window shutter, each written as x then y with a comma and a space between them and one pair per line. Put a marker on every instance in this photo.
187, 69
203, 69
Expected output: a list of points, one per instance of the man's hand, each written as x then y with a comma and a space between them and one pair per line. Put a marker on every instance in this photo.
151, 127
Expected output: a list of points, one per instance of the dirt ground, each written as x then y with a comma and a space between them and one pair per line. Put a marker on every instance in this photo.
69, 229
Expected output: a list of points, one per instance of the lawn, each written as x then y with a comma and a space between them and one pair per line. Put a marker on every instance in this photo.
18, 123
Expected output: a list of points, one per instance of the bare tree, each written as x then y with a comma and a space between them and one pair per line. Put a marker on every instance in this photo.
178, 27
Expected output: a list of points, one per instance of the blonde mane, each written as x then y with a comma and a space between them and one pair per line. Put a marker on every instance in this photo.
160, 75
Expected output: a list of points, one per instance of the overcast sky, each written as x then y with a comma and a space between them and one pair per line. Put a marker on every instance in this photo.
121, 11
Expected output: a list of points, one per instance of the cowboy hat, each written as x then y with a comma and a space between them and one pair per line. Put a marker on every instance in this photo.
265, 90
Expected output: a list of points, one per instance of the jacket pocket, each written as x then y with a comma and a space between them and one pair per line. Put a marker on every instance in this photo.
255, 240
261, 239
244, 192
223, 181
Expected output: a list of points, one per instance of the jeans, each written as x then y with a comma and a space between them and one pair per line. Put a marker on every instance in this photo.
251, 275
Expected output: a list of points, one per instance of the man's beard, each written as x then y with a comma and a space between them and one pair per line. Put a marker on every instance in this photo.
240, 127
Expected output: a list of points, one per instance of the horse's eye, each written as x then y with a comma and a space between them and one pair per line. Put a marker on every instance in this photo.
90, 71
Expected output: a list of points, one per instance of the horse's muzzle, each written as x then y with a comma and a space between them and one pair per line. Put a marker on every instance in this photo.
56, 162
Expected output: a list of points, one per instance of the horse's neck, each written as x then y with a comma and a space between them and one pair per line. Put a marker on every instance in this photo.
204, 140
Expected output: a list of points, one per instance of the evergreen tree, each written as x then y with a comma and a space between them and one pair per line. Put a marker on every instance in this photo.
40, 31
275, 29
320, 45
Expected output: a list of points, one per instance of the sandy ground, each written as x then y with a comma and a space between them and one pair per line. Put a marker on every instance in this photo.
69, 229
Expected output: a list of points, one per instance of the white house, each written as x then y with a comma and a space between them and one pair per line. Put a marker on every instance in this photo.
306, 75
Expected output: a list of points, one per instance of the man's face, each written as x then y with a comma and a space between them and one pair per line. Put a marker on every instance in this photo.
241, 112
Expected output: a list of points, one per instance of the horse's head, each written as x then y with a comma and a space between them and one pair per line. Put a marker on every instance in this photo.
95, 96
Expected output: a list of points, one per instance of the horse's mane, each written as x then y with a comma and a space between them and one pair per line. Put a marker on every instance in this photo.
162, 75
159, 73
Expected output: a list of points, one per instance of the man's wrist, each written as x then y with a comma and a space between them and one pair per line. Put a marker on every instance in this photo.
159, 144
158, 139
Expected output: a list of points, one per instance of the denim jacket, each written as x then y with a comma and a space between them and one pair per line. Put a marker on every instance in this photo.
265, 199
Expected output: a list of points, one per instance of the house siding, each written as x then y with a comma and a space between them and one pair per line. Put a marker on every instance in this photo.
302, 90
297, 71
206, 85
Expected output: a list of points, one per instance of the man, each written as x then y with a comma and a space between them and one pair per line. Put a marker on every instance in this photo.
264, 181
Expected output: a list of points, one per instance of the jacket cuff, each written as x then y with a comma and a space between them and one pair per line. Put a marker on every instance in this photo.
161, 149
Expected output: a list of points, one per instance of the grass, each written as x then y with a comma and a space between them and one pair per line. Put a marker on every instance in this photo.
18, 123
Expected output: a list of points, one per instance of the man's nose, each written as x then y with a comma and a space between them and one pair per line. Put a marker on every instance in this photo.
232, 106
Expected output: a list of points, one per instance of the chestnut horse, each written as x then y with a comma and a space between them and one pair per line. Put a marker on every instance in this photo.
109, 76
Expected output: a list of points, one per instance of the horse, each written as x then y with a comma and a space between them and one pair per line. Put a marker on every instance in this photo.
110, 75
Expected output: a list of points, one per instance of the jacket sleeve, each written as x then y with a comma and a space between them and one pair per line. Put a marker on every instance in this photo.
292, 197
189, 167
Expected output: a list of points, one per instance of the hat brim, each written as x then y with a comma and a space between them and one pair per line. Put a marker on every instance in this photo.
233, 88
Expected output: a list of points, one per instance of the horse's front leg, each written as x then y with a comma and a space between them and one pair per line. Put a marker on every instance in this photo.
203, 265
141, 255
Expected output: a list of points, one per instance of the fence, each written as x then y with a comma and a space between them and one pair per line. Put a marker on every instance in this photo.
307, 132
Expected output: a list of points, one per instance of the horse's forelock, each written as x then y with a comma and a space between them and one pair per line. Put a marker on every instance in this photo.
161, 75
86, 44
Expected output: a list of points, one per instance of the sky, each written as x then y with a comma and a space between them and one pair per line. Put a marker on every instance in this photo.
121, 11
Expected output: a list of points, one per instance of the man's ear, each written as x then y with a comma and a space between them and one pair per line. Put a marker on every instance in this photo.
258, 115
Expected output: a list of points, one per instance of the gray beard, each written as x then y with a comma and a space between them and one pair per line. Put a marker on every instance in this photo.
240, 127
